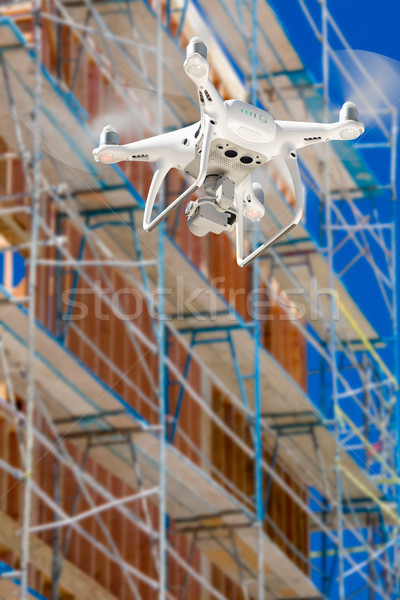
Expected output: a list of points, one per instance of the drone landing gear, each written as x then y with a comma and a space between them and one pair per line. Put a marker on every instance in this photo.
290, 157
162, 168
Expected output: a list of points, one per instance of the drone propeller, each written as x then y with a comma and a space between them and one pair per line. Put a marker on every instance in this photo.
371, 80
132, 109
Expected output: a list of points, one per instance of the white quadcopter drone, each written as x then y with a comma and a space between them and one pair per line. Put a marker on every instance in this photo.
230, 141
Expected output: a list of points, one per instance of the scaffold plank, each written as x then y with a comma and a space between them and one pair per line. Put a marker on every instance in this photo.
71, 389
279, 393
190, 302
71, 149
67, 385
136, 22
72, 579
9, 590
67, 142
281, 77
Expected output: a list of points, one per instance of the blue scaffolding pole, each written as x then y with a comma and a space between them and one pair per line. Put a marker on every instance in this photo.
340, 352
256, 418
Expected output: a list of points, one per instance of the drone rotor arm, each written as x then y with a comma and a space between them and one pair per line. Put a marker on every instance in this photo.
300, 134
290, 158
148, 150
151, 149
211, 101
197, 69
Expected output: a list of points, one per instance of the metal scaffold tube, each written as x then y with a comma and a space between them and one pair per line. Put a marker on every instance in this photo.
161, 333
322, 498
332, 326
258, 449
35, 218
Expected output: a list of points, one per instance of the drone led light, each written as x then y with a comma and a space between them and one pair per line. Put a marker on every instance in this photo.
254, 209
221, 151
349, 133
196, 66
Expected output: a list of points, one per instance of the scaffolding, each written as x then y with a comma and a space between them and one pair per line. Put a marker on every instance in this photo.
79, 224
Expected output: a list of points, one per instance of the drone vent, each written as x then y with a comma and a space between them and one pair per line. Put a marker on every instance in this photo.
215, 157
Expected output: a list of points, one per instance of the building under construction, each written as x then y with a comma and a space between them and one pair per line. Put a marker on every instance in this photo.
173, 426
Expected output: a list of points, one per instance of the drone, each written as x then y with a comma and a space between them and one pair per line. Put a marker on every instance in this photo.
221, 151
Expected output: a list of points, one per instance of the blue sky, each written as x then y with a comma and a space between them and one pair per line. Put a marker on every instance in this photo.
367, 25
373, 27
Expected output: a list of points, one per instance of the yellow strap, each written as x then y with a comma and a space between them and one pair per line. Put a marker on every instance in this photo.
384, 507
368, 345
342, 416
353, 550
387, 480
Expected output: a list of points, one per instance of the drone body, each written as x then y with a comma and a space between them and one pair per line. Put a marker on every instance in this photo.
231, 140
